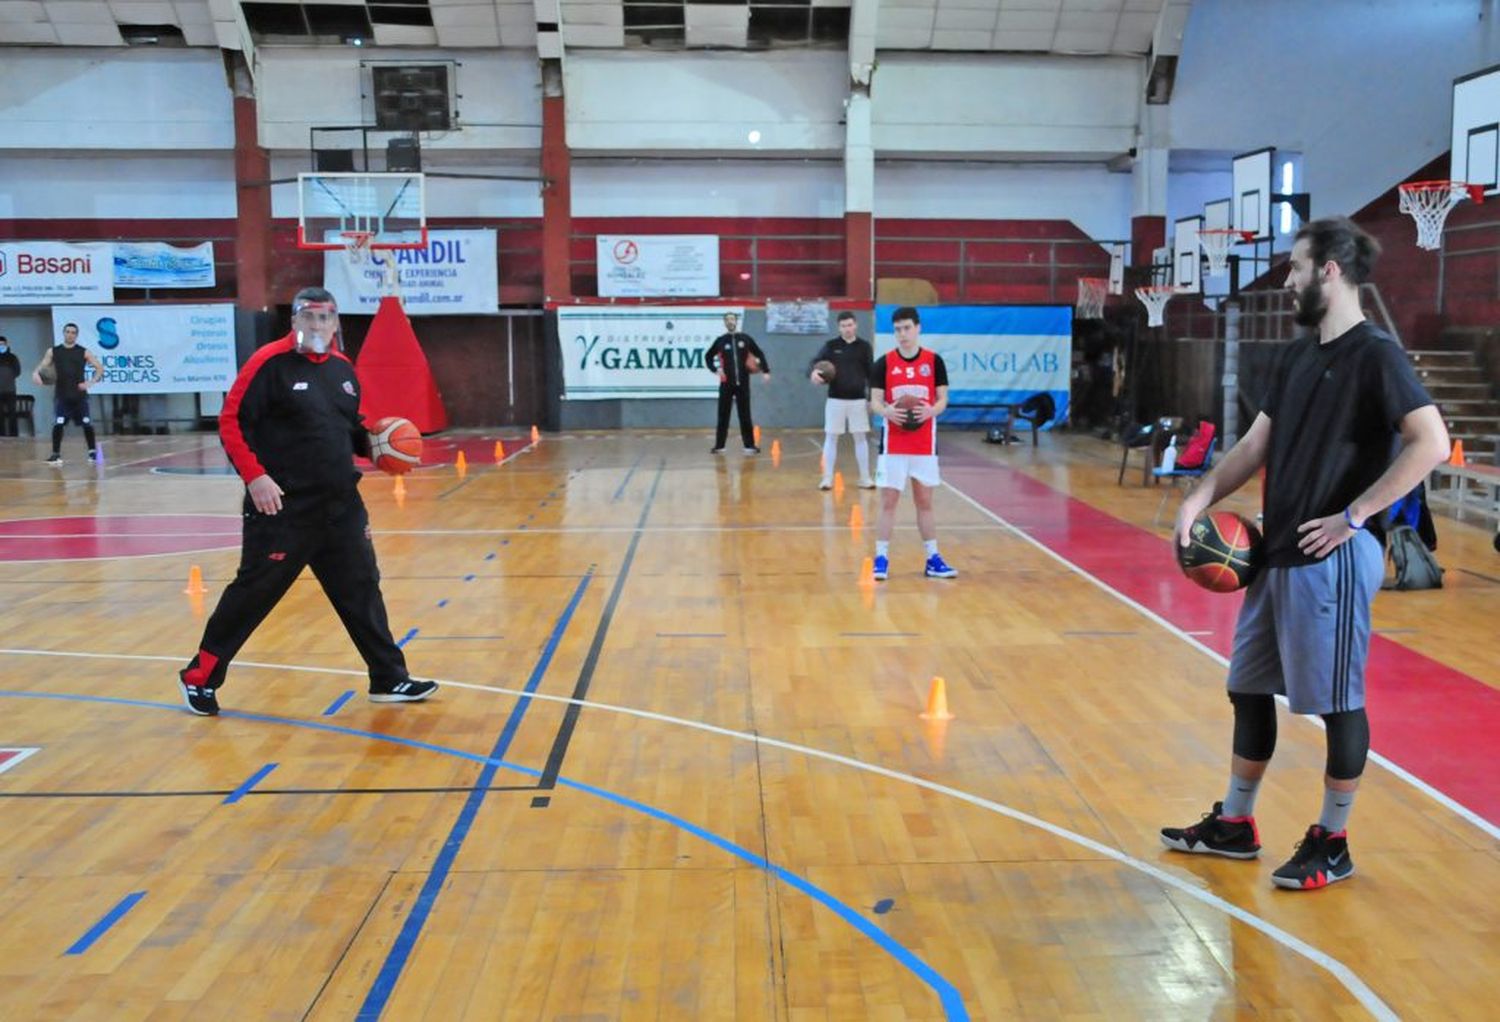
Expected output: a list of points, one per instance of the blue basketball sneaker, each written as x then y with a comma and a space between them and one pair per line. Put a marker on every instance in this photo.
939, 568
882, 569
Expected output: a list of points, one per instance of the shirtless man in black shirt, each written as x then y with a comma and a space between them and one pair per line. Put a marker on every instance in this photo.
70, 401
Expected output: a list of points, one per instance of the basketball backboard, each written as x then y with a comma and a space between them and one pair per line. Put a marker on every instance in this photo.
1216, 215
1186, 258
390, 207
1475, 155
1252, 193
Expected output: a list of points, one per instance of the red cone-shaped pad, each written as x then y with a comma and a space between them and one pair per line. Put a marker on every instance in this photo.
394, 374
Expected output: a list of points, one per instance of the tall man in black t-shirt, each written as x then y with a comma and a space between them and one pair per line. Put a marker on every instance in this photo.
1345, 431
291, 427
70, 401
734, 357
847, 407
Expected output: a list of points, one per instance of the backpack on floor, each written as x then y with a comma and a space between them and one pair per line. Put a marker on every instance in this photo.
1416, 568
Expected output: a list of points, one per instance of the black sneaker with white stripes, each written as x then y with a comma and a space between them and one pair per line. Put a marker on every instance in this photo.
200, 699
409, 691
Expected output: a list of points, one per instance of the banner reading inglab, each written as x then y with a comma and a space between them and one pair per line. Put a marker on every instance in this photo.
55, 273
658, 265
639, 352
995, 355
155, 349
455, 275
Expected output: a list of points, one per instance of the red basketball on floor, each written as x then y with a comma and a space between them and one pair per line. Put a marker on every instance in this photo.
1223, 552
395, 445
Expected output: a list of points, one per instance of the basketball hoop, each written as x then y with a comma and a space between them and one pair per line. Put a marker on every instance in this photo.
1216, 242
357, 245
1155, 299
1429, 202
1091, 294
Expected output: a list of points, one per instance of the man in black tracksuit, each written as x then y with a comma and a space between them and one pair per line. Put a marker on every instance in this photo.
730, 357
291, 427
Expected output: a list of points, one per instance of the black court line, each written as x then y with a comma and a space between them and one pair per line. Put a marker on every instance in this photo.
591, 662
1487, 578
258, 792
626, 481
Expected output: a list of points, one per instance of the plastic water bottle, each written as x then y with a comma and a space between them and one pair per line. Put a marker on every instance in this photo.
1169, 456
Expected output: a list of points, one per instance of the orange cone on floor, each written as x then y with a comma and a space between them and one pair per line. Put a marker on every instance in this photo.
195, 581
399, 490
499, 451
856, 518
757, 436
462, 464
536, 435
776, 453
1457, 457
867, 571
937, 701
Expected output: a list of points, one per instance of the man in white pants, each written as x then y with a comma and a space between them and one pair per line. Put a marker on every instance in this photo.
848, 393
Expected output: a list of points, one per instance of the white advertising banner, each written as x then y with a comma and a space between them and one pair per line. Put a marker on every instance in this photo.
658, 265
455, 275
156, 349
639, 352
56, 273
157, 264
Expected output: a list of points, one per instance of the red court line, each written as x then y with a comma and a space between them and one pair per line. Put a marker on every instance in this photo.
1426, 717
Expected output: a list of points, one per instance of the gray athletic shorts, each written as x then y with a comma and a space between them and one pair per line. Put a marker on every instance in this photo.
1305, 632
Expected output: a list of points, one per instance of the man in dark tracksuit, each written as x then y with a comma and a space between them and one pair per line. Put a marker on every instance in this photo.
727, 356
291, 427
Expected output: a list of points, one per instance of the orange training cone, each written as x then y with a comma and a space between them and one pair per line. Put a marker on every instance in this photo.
856, 518
776, 452
499, 451
757, 436
937, 701
462, 464
536, 435
867, 571
1457, 457
195, 581
399, 489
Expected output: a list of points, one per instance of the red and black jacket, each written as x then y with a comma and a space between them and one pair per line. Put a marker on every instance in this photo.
295, 417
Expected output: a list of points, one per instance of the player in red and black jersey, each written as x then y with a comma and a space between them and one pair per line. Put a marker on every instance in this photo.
291, 427
908, 448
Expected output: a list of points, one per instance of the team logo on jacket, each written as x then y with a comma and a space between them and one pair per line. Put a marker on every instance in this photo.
300, 385
348, 388
925, 369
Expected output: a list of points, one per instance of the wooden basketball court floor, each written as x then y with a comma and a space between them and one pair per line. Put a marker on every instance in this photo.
677, 768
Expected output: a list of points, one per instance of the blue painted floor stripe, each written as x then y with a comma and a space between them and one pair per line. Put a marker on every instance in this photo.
442, 603
338, 703
948, 994
395, 961
412, 634
111, 917
244, 789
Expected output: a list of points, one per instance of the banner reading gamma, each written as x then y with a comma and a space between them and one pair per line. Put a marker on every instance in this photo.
996, 355
642, 351
155, 349
455, 275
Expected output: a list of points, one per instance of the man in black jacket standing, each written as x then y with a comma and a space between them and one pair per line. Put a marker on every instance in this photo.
735, 357
291, 427
10, 372
847, 407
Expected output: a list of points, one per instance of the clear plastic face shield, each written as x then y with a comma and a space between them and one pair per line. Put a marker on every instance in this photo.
316, 325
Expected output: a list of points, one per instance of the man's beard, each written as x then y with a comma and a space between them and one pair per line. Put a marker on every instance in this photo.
1311, 308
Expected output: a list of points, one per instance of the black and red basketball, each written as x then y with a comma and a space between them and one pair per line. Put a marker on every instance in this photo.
1223, 552
909, 403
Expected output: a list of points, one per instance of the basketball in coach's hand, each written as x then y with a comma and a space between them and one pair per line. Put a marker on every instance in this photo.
1223, 552
752, 364
825, 370
909, 403
48, 375
395, 445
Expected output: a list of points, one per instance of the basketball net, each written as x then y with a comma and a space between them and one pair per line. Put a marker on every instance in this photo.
1091, 295
1155, 299
1216, 242
358, 248
1429, 203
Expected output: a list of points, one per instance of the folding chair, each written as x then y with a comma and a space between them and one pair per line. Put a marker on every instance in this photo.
1175, 474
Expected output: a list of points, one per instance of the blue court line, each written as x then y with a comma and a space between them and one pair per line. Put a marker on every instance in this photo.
948, 994
489, 557
620, 492
407, 637
470, 578
395, 960
244, 789
111, 917
338, 703
442, 603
